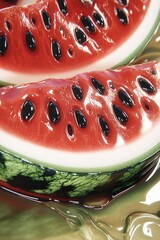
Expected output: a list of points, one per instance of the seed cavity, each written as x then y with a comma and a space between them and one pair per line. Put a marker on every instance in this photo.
104, 126
63, 6
120, 114
80, 119
147, 107
30, 41
8, 25
46, 19
69, 130
62, 31
70, 51
56, 50
122, 16
146, 85
152, 71
80, 36
99, 19
111, 85
53, 112
147, 104
77, 92
28, 110
98, 86
33, 21
3, 44
88, 24
125, 98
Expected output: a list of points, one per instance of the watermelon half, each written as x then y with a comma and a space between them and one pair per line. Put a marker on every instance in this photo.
62, 38
59, 135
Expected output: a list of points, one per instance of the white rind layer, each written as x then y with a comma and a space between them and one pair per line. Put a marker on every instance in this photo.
92, 161
122, 55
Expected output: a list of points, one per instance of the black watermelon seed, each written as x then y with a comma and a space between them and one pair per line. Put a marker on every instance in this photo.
28, 110
46, 19
120, 114
77, 91
99, 19
125, 98
122, 16
69, 130
53, 112
88, 24
98, 86
30, 41
8, 25
56, 50
104, 126
80, 118
80, 36
63, 6
3, 45
146, 85
124, 2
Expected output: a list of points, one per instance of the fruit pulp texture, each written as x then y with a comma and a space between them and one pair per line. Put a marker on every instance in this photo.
71, 40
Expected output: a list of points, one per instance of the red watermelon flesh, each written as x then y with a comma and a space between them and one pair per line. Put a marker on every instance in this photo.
90, 111
62, 35
9, 3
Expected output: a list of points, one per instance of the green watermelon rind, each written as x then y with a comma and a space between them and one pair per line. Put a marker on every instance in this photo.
114, 167
12, 166
65, 183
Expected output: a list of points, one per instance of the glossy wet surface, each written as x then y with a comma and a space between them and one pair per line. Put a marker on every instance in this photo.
133, 215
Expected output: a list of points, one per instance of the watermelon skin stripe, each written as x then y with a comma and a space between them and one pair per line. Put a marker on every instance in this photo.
69, 169
37, 179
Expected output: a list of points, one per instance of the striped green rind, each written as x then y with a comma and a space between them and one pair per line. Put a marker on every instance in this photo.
23, 174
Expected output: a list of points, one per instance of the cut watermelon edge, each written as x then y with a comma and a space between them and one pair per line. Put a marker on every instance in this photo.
98, 160
116, 58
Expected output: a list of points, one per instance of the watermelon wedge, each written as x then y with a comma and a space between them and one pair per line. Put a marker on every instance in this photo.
63, 38
66, 132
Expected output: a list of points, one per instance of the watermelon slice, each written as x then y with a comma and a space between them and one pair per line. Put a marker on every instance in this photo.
60, 132
62, 38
